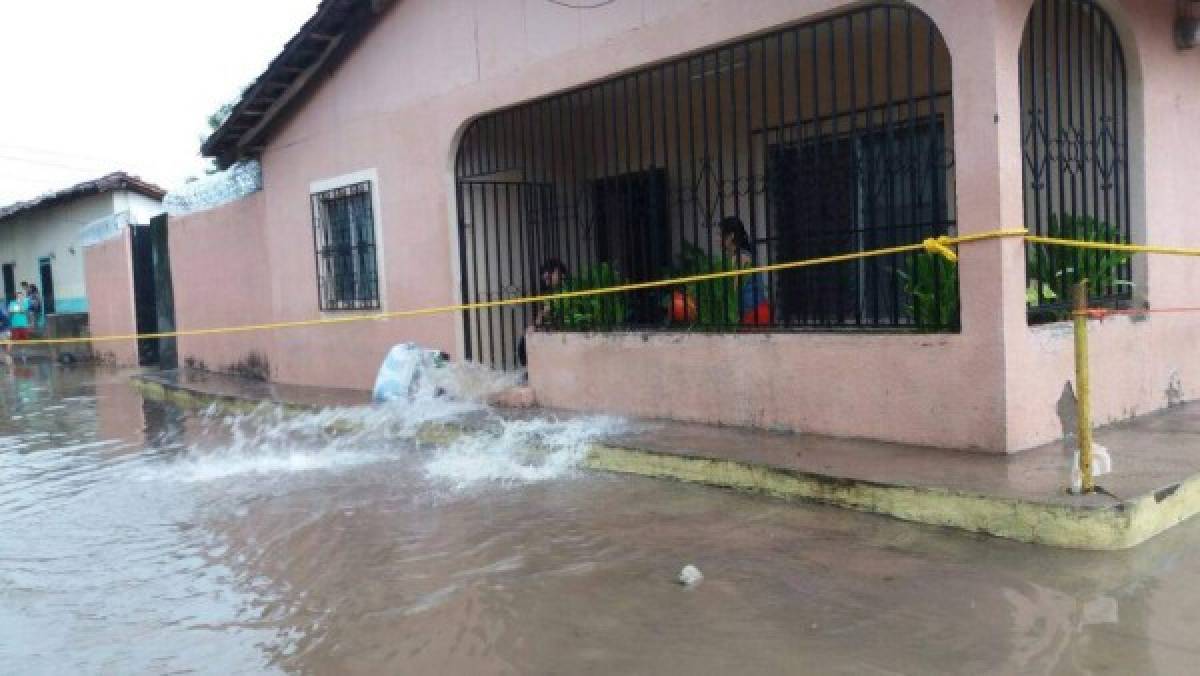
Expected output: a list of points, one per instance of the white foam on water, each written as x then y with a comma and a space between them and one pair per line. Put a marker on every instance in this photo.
263, 442
270, 440
523, 451
217, 466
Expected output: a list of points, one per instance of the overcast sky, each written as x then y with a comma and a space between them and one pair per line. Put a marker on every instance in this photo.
88, 87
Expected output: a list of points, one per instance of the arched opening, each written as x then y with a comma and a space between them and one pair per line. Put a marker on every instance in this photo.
827, 137
1075, 104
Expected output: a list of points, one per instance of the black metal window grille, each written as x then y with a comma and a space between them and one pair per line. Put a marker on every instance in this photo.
828, 137
344, 236
1075, 142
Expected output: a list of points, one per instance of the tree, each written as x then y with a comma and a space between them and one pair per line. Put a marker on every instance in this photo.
214, 121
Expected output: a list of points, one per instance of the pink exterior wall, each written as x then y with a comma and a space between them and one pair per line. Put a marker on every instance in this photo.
108, 277
219, 266
1138, 366
399, 102
392, 108
901, 388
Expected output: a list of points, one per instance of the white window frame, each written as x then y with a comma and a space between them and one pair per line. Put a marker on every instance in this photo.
370, 176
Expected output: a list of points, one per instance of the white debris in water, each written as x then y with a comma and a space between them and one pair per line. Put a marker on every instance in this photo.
406, 374
411, 373
1101, 465
690, 576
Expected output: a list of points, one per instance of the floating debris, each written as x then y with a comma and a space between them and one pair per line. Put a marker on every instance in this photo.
690, 576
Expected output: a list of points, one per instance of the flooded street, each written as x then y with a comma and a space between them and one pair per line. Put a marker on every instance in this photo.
139, 538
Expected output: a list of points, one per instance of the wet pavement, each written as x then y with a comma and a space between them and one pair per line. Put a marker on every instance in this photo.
139, 538
233, 387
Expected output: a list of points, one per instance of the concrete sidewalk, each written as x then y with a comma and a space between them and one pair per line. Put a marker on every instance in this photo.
1154, 485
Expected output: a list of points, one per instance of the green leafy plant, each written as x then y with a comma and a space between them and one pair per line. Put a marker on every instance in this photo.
716, 300
931, 290
1051, 269
589, 313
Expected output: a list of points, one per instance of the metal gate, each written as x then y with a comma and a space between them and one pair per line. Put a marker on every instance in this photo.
503, 234
827, 137
153, 293
1075, 138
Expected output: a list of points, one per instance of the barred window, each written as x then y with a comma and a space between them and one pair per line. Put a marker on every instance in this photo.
344, 236
1075, 102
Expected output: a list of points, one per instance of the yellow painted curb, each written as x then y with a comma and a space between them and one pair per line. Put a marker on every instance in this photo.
1097, 528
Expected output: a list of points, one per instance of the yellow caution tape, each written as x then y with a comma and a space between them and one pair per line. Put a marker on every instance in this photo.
935, 245
940, 246
1111, 246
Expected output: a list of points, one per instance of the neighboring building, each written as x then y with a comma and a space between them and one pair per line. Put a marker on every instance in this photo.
429, 152
41, 240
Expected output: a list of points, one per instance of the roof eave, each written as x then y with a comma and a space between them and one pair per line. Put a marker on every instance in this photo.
108, 183
323, 40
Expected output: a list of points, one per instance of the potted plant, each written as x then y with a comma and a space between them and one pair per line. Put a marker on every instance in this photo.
708, 304
1051, 269
591, 313
931, 292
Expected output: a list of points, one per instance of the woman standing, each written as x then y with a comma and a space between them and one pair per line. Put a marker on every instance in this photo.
18, 317
35, 308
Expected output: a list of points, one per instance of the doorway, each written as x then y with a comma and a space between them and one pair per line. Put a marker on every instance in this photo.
10, 282
46, 271
144, 296
152, 293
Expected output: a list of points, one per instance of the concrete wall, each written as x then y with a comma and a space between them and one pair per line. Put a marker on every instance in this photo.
398, 104
53, 232
872, 386
141, 208
220, 267
108, 268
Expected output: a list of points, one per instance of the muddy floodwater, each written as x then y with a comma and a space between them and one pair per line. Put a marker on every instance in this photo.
138, 538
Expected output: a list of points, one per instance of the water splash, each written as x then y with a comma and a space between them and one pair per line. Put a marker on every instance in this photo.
273, 441
521, 451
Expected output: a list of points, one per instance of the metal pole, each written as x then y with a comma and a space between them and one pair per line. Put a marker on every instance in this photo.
1083, 387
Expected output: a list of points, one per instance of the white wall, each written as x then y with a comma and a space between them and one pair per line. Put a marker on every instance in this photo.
141, 208
54, 232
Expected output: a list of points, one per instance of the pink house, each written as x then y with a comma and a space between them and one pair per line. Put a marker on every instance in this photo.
429, 152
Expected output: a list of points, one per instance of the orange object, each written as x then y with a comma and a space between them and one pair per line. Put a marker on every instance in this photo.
759, 316
683, 308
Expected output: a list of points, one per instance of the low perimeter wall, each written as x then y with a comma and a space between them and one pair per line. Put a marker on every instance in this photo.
219, 268
929, 390
938, 390
108, 276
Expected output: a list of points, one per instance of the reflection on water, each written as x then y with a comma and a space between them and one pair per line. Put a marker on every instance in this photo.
135, 538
